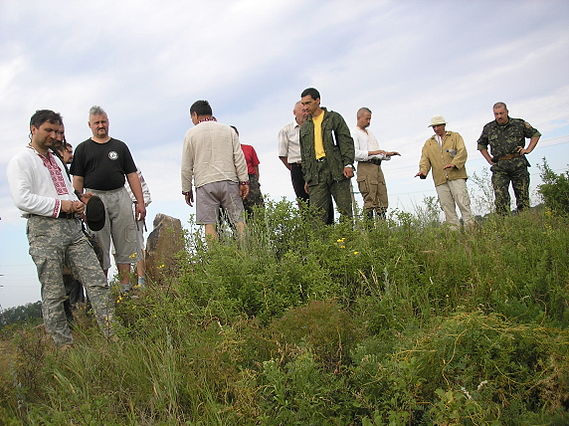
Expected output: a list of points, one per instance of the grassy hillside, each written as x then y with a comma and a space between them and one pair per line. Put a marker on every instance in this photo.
403, 323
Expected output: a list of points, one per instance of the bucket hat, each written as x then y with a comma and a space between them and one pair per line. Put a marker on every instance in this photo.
436, 120
95, 213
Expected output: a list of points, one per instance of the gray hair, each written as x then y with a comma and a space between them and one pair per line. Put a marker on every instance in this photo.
500, 104
96, 110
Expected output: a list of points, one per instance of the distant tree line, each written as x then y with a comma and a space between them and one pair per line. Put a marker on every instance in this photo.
27, 312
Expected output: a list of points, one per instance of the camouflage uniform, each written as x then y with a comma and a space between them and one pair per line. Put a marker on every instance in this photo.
53, 240
325, 177
504, 141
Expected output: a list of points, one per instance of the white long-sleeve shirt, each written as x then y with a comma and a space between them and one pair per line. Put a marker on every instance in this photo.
289, 142
38, 184
365, 142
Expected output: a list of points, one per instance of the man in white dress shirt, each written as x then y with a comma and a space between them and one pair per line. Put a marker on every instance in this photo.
369, 156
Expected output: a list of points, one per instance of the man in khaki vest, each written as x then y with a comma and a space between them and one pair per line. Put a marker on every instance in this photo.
445, 154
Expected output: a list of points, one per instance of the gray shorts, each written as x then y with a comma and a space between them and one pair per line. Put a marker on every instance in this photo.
211, 196
120, 225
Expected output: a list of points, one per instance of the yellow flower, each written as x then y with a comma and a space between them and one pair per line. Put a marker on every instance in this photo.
342, 246
161, 266
341, 240
356, 253
133, 255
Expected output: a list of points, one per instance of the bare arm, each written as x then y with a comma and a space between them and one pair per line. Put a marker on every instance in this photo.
531, 146
487, 156
135, 186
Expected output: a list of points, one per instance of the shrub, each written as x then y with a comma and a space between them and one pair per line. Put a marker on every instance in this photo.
554, 189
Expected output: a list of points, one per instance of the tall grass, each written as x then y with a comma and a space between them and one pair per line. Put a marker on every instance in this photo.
403, 322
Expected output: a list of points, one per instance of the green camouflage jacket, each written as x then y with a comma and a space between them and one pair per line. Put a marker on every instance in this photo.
504, 139
338, 145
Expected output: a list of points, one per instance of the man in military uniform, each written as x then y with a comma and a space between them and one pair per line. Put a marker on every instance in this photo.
327, 151
507, 138
42, 190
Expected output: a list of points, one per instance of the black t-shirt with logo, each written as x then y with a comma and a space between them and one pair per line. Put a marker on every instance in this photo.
102, 165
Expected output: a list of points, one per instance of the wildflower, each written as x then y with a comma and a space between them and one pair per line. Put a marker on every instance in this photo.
356, 253
162, 266
340, 240
342, 246
133, 255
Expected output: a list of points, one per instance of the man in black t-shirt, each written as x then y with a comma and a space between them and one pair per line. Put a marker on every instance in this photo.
99, 166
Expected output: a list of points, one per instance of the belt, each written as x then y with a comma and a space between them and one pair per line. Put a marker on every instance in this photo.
508, 157
63, 215
375, 161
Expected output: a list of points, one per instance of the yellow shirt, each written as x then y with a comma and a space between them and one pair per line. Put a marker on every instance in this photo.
318, 142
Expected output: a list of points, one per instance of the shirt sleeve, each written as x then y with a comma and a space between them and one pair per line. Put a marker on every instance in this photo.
239, 159
77, 167
461, 155
425, 162
20, 179
483, 139
283, 142
360, 146
187, 172
529, 131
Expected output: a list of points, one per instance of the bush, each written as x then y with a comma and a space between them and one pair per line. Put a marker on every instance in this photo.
554, 189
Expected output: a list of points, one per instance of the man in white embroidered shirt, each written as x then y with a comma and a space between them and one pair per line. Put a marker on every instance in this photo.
42, 190
371, 181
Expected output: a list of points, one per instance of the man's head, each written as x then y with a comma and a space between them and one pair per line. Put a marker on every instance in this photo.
44, 128
66, 152
438, 124
199, 109
310, 100
99, 122
299, 113
59, 138
500, 112
364, 117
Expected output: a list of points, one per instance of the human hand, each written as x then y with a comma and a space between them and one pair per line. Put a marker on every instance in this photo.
349, 172
189, 198
449, 166
244, 190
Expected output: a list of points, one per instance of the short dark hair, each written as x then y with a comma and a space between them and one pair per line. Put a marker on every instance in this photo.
201, 107
312, 92
500, 104
43, 115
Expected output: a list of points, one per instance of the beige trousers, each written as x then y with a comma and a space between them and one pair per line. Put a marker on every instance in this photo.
451, 194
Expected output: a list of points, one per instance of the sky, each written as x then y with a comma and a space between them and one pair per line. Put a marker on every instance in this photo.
146, 62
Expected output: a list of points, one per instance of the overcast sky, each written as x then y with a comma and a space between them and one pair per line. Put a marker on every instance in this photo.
146, 62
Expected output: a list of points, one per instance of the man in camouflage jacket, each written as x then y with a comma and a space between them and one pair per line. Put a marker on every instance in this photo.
327, 151
507, 138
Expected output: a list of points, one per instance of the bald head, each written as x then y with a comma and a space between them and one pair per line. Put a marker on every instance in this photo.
299, 113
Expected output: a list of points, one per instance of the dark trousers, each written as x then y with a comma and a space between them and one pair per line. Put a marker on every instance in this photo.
298, 184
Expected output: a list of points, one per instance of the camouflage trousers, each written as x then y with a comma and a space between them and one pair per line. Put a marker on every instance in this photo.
255, 198
52, 243
515, 171
321, 193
